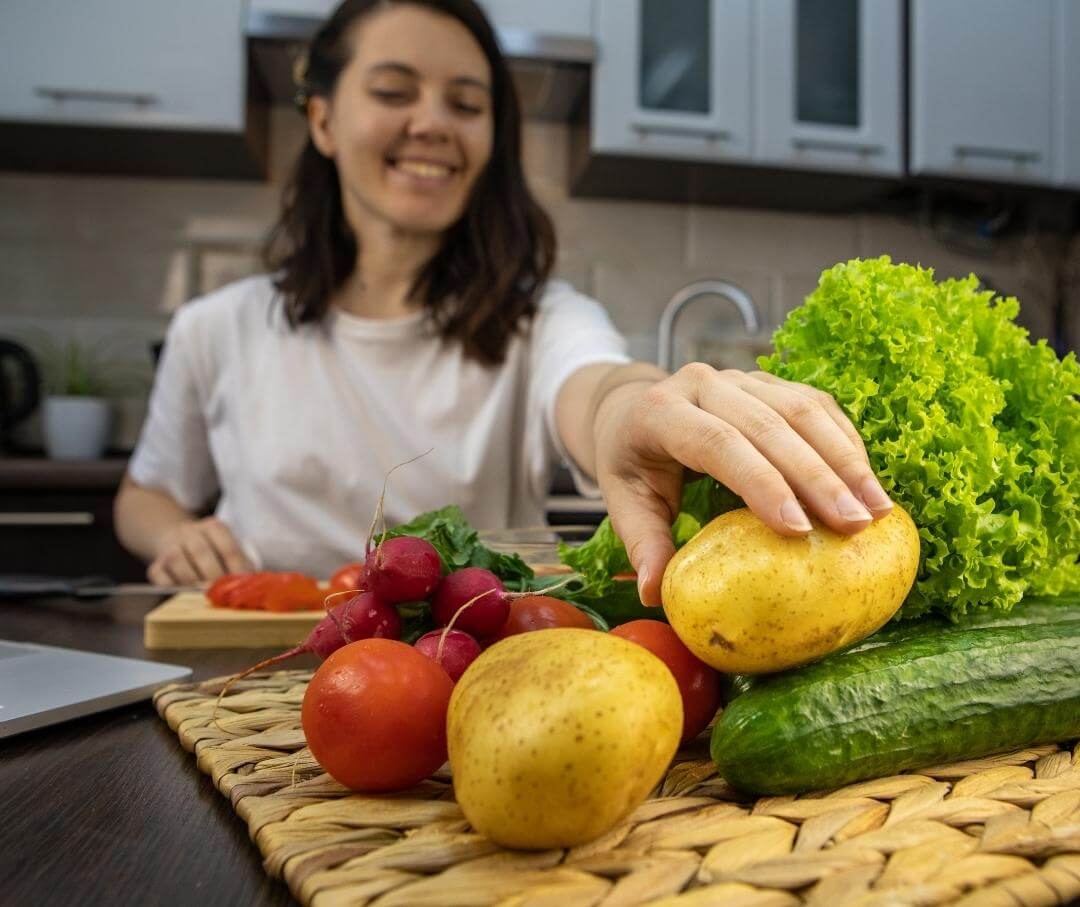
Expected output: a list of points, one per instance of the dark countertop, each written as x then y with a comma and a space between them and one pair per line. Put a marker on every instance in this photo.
25, 473
110, 809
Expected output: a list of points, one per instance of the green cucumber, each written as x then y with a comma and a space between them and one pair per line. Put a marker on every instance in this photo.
1029, 612
927, 699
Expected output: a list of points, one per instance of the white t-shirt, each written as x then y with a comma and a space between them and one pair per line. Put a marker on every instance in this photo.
297, 428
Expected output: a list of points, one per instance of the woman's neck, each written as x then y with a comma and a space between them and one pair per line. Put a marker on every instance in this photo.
387, 265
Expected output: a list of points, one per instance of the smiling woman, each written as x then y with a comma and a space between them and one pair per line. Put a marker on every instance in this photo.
408, 308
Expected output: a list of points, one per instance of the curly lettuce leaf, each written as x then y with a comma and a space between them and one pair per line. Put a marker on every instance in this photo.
970, 426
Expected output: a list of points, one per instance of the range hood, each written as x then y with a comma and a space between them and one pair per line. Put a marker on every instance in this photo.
551, 71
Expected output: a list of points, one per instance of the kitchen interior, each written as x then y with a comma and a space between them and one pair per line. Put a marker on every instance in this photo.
701, 169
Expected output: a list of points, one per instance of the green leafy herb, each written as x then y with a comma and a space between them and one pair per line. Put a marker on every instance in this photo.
970, 426
458, 544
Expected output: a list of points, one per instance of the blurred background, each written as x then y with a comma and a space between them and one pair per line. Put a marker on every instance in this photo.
703, 161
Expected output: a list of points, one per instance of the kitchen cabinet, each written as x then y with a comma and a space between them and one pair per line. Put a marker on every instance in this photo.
567, 18
674, 86
1067, 112
144, 64
828, 78
982, 89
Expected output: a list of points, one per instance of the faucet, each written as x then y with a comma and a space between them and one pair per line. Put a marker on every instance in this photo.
735, 295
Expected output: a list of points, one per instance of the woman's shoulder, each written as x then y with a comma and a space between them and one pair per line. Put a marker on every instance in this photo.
237, 304
561, 304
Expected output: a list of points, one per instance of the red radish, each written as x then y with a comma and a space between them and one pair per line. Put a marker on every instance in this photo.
486, 616
403, 569
452, 650
374, 715
361, 617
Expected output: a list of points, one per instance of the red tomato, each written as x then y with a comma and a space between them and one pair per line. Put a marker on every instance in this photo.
374, 715
698, 683
350, 576
220, 589
296, 593
541, 612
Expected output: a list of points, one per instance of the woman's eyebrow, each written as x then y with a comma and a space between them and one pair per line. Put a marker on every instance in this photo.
406, 70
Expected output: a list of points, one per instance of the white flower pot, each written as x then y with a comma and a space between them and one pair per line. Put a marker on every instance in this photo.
75, 428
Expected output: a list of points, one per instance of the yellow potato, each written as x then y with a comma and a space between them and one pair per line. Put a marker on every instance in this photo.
556, 735
748, 600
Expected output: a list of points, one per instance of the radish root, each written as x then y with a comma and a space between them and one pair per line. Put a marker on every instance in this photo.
262, 664
450, 626
379, 516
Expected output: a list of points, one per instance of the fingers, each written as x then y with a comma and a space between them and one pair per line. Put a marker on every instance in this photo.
826, 401
642, 519
226, 547
708, 444
198, 552
824, 468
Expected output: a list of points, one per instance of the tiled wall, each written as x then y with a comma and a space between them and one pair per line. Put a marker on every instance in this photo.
101, 258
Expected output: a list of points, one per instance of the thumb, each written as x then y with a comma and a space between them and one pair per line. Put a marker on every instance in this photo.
642, 519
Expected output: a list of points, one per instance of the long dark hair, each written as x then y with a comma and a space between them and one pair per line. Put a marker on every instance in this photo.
493, 262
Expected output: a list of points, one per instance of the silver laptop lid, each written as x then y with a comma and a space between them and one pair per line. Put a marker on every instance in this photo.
41, 685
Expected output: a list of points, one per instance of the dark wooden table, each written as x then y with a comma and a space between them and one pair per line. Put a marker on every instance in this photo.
110, 809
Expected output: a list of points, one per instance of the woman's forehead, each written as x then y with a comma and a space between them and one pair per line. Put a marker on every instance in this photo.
413, 37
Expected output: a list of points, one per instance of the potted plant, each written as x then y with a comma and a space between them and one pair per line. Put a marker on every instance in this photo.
76, 414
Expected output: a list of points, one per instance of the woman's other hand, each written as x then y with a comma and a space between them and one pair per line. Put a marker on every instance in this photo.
197, 551
777, 444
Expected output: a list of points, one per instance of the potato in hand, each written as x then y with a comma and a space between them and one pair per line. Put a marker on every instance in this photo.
747, 600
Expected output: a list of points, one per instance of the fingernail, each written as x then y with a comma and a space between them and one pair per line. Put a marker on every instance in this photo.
794, 517
874, 495
642, 579
848, 506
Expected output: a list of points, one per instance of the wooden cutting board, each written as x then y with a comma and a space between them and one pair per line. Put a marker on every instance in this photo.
189, 621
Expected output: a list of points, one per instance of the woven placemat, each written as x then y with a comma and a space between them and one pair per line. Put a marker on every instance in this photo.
1003, 830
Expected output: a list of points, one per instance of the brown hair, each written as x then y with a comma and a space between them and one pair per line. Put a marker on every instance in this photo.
493, 262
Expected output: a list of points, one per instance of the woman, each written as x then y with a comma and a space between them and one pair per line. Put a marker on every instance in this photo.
410, 309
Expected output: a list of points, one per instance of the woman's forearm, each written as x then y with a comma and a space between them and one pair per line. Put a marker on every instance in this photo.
144, 517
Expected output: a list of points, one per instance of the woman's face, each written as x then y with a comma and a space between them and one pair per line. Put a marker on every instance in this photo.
410, 123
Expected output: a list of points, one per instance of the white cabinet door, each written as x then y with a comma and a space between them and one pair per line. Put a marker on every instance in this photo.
1067, 94
829, 84
135, 63
567, 18
668, 85
981, 85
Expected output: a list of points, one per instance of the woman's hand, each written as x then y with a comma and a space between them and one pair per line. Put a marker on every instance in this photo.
773, 442
197, 551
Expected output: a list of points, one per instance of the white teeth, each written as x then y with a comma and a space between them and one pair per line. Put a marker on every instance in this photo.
423, 168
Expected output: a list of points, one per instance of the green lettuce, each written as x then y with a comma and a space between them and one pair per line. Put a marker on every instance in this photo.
973, 429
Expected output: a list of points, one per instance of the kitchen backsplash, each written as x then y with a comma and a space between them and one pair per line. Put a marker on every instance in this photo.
107, 258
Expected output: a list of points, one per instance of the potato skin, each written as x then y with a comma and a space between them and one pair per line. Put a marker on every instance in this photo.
747, 600
556, 735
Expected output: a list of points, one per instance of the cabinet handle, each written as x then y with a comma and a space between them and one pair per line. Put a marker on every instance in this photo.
862, 148
139, 99
996, 154
74, 518
692, 132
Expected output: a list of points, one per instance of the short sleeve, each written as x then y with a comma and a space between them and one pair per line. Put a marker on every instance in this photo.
173, 453
570, 331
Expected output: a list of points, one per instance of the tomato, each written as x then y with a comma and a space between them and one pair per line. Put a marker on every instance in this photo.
374, 715
541, 612
698, 683
348, 577
220, 589
294, 593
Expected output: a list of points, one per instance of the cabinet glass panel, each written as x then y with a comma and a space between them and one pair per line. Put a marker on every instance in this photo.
827, 67
675, 67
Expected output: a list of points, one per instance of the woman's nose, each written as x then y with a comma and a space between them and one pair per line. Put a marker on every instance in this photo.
430, 119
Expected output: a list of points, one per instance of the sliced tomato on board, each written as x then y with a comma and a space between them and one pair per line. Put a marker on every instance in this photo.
348, 577
219, 590
297, 593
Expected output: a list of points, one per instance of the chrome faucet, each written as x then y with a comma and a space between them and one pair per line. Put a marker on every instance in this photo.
735, 295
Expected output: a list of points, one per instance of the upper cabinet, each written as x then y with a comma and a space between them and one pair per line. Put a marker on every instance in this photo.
828, 84
132, 63
1067, 114
994, 96
673, 86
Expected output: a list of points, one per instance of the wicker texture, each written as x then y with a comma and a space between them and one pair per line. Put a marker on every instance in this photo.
1003, 830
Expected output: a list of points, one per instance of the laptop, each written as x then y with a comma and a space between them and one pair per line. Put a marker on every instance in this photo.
42, 685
